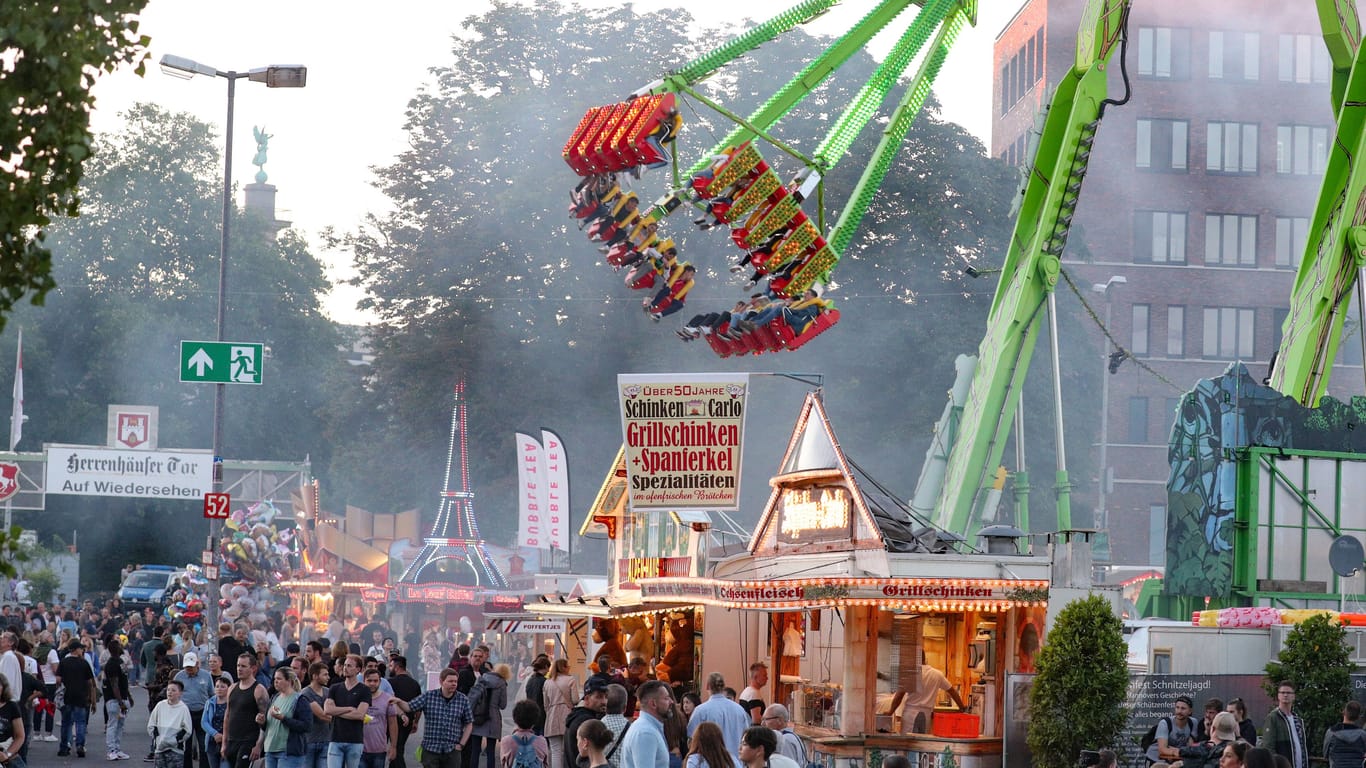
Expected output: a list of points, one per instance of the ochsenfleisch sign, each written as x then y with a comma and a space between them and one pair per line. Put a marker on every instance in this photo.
84, 470
683, 435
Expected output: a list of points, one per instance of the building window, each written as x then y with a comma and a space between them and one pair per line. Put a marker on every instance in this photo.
1278, 317
1157, 555
1138, 338
1162, 657
1231, 240
1232, 148
1303, 59
1292, 232
1301, 149
1228, 333
1161, 145
1016, 152
1022, 72
1234, 55
1176, 331
1138, 419
1160, 237
1164, 53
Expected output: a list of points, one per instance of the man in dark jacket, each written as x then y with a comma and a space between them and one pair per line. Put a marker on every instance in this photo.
1345, 743
478, 665
593, 707
1283, 731
535, 687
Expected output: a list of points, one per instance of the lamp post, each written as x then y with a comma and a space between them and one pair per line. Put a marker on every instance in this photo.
1102, 515
275, 76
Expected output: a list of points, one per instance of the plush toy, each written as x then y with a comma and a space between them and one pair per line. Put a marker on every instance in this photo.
678, 661
608, 633
640, 637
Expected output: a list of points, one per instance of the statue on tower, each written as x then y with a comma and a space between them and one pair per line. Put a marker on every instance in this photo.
262, 142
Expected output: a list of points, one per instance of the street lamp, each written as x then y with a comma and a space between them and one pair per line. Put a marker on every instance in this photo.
275, 76
1102, 516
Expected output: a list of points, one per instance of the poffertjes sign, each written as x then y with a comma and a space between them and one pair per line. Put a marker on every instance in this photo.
683, 435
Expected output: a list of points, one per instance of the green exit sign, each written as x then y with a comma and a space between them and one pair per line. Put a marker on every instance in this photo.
221, 362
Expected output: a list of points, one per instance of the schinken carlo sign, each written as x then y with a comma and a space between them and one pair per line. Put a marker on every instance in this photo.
83, 470
683, 435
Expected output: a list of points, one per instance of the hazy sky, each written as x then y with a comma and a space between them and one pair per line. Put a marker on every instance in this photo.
365, 63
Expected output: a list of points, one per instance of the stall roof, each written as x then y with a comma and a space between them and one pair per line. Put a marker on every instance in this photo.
814, 456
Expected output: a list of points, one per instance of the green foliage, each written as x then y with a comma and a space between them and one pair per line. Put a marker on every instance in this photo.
43, 584
1078, 697
1317, 661
52, 53
479, 272
138, 272
11, 551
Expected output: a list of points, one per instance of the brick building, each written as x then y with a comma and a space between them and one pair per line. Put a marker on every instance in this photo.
1198, 195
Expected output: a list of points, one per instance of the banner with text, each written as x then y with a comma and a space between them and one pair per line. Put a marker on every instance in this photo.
531, 483
84, 470
683, 435
556, 490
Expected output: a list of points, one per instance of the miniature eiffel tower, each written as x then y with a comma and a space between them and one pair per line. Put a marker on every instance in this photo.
454, 553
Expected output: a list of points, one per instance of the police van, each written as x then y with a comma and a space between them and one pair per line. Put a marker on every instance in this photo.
149, 585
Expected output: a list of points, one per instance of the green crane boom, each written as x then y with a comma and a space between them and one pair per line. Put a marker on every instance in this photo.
1028, 277
1335, 251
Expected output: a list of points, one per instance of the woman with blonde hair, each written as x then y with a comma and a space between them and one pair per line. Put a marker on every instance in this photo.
561, 693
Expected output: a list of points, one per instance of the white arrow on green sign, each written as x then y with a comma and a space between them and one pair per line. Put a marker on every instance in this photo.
220, 362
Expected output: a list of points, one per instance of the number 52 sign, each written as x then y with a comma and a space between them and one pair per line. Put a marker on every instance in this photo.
216, 506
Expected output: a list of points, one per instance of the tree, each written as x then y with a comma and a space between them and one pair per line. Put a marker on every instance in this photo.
477, 271
137, 273
1316, 659
1078, 697
11, 551
52, 53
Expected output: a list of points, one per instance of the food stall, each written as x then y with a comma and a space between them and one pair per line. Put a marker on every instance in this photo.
854, 600
668, 634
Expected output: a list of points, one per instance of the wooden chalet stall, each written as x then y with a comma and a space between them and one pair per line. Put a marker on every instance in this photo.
851, 600
667, 634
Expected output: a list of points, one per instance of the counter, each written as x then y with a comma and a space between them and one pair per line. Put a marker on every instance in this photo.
924, 751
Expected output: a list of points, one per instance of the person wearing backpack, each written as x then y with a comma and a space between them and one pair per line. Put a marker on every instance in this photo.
488, 698
1163, 742
523, 748
790, 744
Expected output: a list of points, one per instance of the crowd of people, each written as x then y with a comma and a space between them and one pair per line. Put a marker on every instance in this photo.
341, 695
1225, 737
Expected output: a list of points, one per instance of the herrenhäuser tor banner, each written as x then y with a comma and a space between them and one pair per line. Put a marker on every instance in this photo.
683, 434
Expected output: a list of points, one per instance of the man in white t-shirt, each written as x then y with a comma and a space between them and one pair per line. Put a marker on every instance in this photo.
752, 698
921, 701
47, 668
10, 666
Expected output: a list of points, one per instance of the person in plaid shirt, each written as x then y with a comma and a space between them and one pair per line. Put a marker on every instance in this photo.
449, 721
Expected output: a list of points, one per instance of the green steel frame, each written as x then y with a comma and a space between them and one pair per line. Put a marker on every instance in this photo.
1336, 249
1029, 275
1248, 554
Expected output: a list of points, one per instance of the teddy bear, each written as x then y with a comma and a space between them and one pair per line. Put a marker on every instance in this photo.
608, 633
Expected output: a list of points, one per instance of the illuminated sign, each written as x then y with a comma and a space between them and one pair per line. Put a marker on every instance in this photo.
634, 569
374, 594
808, 510
437, 593
957, 593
